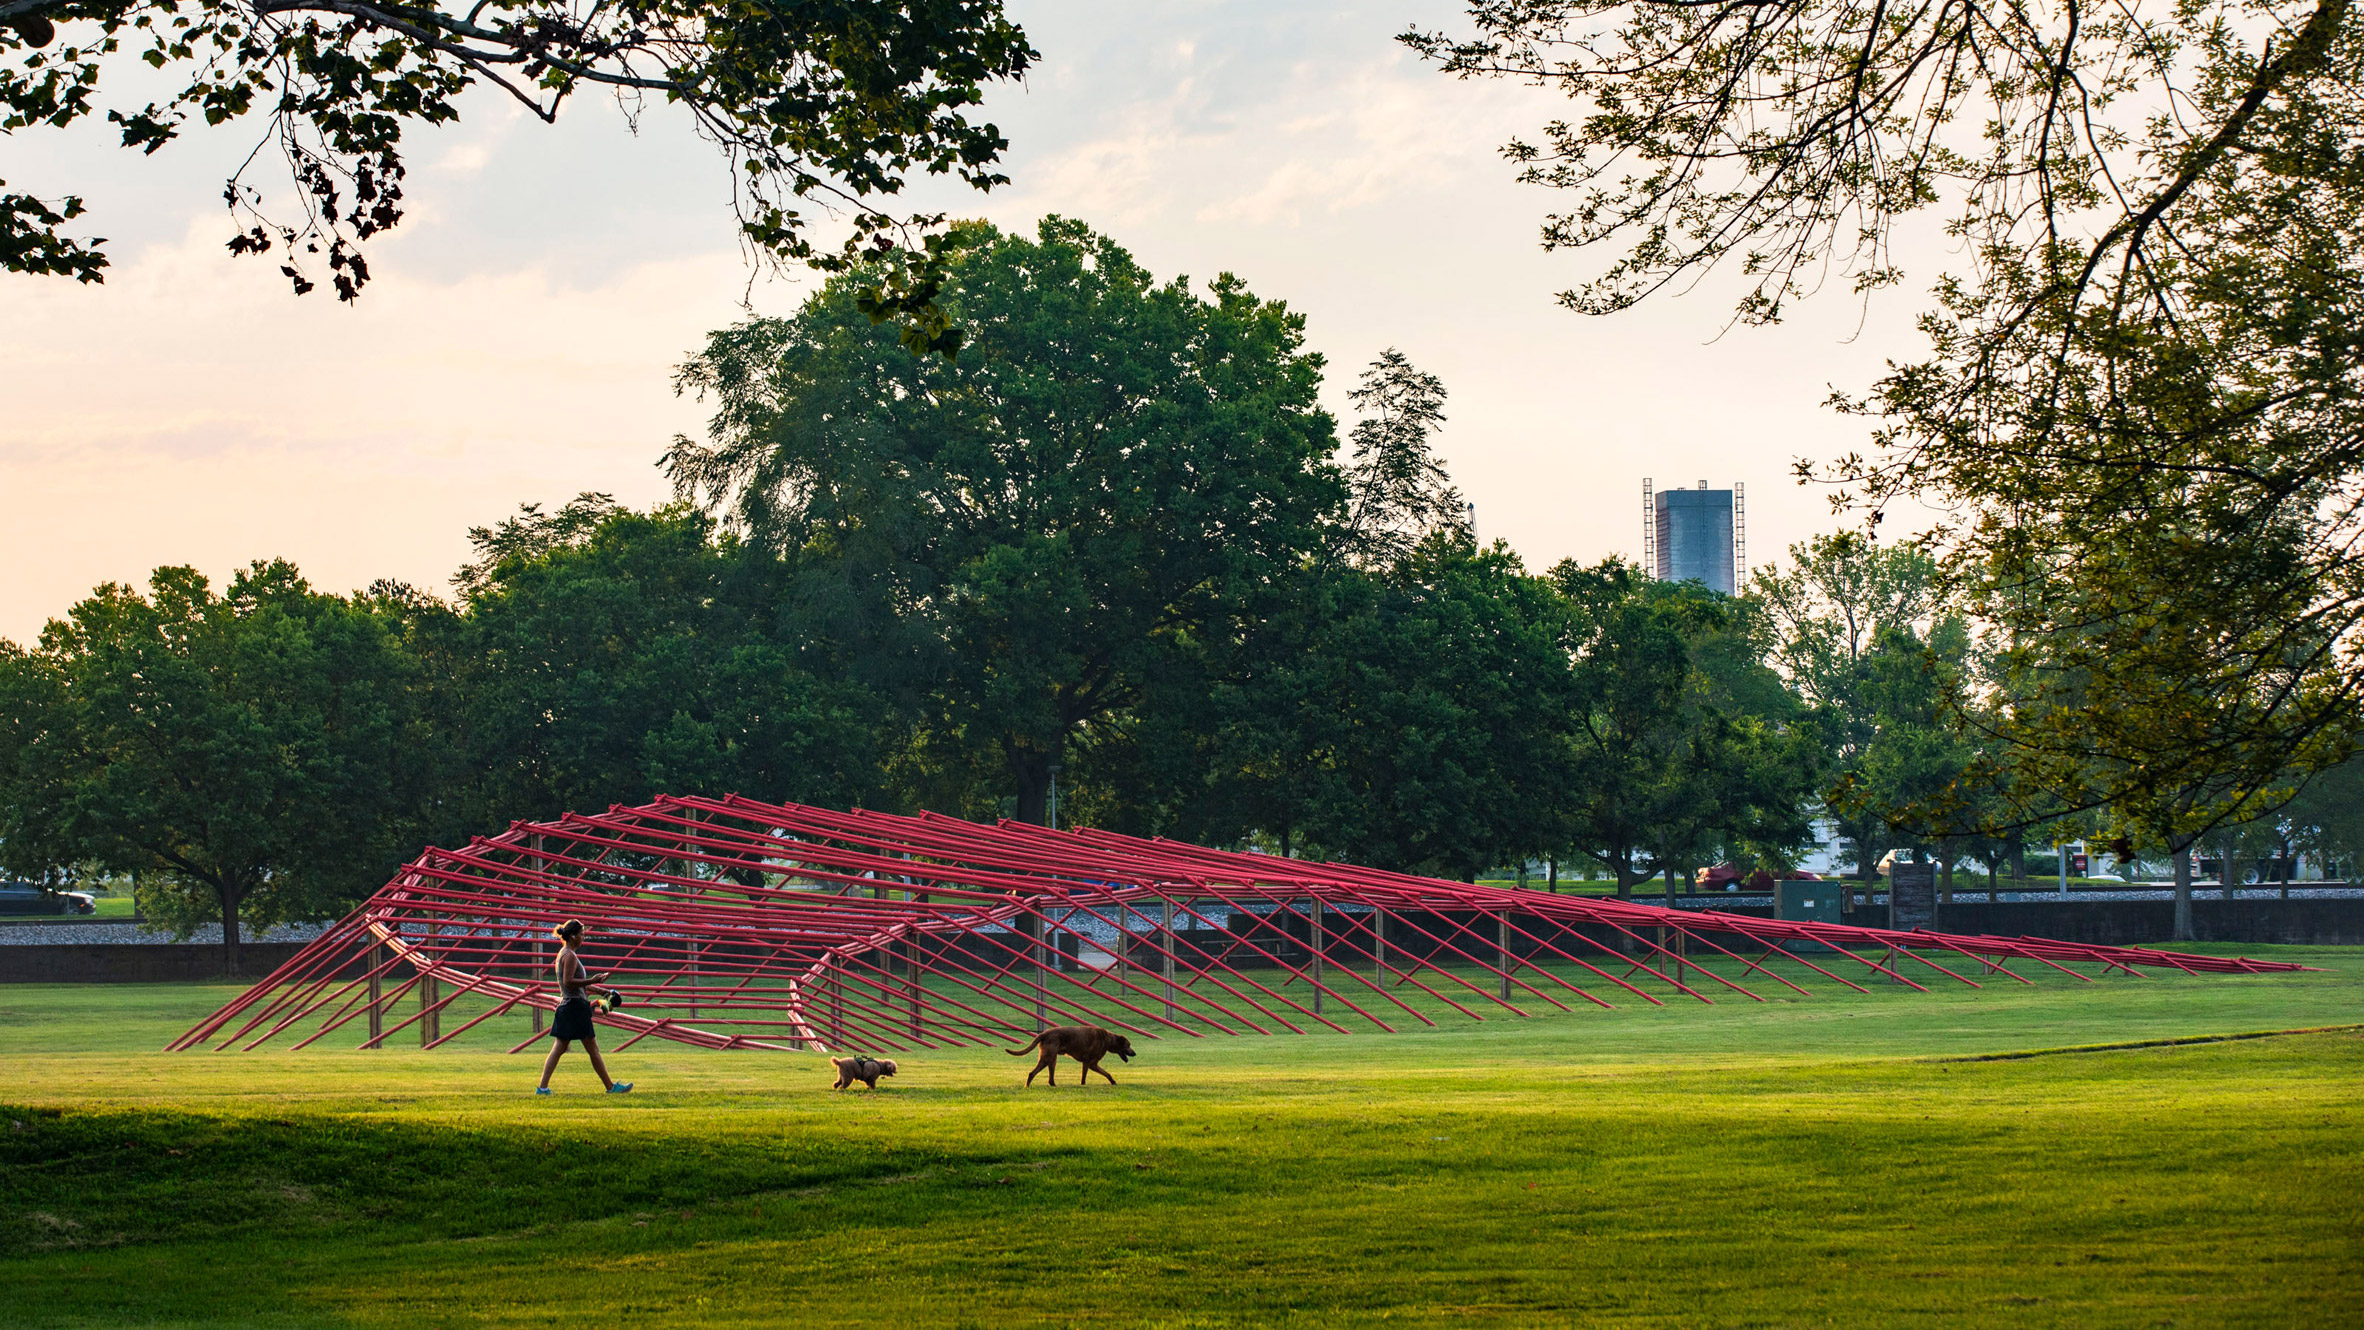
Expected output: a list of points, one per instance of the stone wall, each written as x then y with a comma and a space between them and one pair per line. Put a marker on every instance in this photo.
2128, 923
133, 963
2319, 922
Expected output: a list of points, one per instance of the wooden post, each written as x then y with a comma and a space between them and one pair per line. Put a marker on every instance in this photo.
1379, 945
911, 966
693, 983
377, 995
431, 1021
911, 981
1168, 959
1318, 974
538, 948
1502, 951
1033, 933
836, 1008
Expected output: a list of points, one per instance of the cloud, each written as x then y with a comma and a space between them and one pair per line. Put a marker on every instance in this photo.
1242, 139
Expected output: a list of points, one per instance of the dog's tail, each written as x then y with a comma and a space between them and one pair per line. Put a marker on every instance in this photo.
1025, 1048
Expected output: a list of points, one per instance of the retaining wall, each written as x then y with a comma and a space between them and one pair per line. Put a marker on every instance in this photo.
2338, 923
1415, 935
2316, 923
133, 962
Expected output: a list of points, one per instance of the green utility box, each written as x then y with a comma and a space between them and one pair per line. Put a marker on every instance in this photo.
1809, 903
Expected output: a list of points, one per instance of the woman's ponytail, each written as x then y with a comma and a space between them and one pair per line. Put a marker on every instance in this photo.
569, 932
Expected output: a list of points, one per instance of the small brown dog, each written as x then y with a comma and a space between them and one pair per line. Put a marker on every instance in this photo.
1087, 1044
865, 1070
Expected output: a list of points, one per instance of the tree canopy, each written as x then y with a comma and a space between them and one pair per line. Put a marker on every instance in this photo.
608, 656
2138, 405
1082, 507
1681, 746
239, 753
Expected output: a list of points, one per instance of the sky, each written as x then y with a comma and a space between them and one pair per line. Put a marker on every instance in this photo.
518, 342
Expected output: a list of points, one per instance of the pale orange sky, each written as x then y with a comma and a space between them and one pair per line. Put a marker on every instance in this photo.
518, 343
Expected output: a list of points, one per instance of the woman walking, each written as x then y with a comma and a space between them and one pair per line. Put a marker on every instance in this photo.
573, 1019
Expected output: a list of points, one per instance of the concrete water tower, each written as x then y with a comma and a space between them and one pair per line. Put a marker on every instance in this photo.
1696, 535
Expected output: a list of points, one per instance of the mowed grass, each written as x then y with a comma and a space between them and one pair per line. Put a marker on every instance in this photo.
1804, 1161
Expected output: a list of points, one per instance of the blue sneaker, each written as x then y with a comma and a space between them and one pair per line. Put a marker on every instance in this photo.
620, 1087
541, 1089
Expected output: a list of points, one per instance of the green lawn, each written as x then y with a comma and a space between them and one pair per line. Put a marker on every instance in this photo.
116, 907
1812, 1161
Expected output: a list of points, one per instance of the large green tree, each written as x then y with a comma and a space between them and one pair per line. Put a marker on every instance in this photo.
1846, 620
1681, 745
1084, 508
2326, 818
2139, 404
241, 752
607, 656
1435, 705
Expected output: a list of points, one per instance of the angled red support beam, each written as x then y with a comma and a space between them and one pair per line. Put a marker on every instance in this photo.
735, 919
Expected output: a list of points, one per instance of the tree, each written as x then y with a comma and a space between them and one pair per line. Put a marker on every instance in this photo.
1842, 599
1667, 761
1398, 490
1829, 609
610, 656
1777, 751
1274, 752
1082, 510
2140, 397
835, 104
1914, 778
1437, 714
2171, 710
236, 752
2326, 819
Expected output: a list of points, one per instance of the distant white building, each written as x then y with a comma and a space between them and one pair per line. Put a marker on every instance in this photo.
1831, 855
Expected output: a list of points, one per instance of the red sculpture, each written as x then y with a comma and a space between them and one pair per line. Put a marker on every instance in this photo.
736, 924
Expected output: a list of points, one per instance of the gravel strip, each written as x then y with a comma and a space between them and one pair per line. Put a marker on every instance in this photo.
130, 934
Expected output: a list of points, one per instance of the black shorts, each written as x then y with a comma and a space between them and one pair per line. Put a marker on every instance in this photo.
573, 1020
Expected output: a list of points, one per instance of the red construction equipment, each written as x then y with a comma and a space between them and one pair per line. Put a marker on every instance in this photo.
736, 924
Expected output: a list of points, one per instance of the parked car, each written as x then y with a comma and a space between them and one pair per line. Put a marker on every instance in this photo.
33, 898
1717, 878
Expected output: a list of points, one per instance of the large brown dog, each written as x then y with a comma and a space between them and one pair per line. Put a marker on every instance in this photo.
1087, 1044
865, 1070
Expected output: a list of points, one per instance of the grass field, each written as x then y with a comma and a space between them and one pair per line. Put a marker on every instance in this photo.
1818, 1161
117, 907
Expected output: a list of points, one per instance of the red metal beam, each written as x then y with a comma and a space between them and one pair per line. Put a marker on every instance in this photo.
743, 915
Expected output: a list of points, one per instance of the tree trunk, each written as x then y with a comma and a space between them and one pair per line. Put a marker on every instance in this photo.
1670, 887
1032, 769
2183, 889
233, 958
1626, 877
2018, 866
